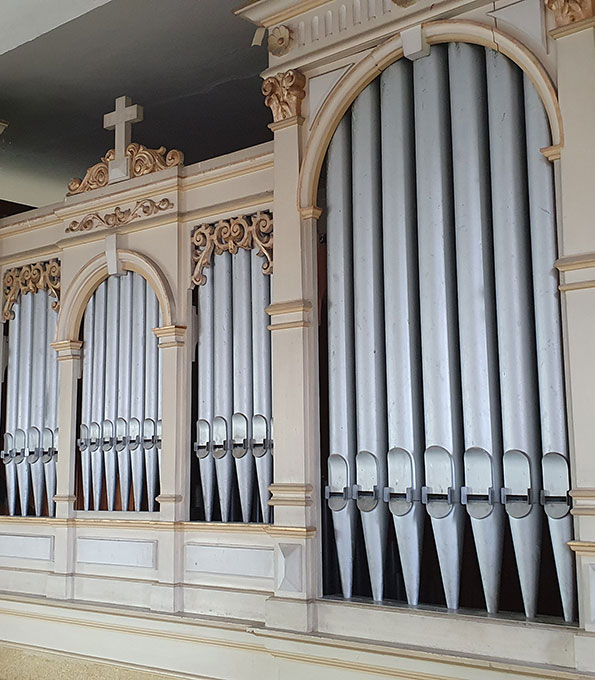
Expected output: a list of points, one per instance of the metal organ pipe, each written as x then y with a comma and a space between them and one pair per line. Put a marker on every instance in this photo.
438, 305
206, 353
87, 400
261, 371
548, 333
51, 406
241, 425
98, 393
514, 300
223, 381
137, 390
13, 368
341, 377
151, 398
370, 380
24, 397
124, 387
401, 313
38, 397
477, 314
110, 411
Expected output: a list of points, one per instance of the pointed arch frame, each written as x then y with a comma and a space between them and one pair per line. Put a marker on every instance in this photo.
372, 65
87, 280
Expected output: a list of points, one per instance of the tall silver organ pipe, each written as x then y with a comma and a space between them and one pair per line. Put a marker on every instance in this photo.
120, 419
262, 434
477, 313
548, 333
516, 327
206, 354
401, 311
30, 430
241, 428
370, 379
438, 313
233, 430
445, 381
223, 382
341, 377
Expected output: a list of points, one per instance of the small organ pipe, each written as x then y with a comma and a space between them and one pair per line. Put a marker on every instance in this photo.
98, 393
51, 408
151, 393
87, 397
261, 372
24, 392
124, 383
341, 377
110, 411
12, 391
137, 391
206, 353
223, 379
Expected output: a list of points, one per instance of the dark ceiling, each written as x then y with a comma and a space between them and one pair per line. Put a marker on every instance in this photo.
188, 62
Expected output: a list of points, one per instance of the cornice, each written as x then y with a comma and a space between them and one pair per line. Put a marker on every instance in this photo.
271, 12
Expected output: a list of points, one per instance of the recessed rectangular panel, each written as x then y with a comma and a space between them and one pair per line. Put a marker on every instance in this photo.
229, 560
27, 547
116, 552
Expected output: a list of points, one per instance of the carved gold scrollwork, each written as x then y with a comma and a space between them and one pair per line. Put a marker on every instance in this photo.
283, 94
571, 11
120, 217
228, 236
143, 161
30, 278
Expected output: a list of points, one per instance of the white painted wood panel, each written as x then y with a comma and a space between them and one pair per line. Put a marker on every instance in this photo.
27, 547
116, 552
229, 560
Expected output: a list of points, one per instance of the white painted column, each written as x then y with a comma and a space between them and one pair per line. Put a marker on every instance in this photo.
576, 87
60, 583
295, 491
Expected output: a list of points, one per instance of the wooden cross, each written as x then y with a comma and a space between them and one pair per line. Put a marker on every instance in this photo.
121, 120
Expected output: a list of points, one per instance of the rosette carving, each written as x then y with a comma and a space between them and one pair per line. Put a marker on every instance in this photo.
280, 41
283, 94
143, 161
120, 217
228, 236
30, 278
571, 11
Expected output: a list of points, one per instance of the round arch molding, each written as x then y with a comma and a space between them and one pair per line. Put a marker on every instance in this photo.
371, 66
93, 273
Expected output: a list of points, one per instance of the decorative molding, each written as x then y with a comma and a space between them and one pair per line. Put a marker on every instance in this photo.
404, 3
280, 40
287, 122
571, 12
573, 262
582, 547
283, 326
169, 498
143, 161
228, 236
119, 217
291, 495
577, 285
569, 29
283, 94
289, 307
30, 278
290, 532
552, 153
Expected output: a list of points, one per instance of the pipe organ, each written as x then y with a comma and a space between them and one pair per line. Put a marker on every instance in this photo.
233, 437
30, 423
446, 385
120, 425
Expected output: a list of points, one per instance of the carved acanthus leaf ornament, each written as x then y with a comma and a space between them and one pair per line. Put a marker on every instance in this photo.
30, 278
120, 217
228, 236
571, 11
143, 161
283, 94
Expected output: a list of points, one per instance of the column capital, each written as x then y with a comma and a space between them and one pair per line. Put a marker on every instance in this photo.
283, 94
170, 336
68, 350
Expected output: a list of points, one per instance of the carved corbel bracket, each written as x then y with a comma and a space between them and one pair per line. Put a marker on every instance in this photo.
284, 93
30, 278
143, 161
228, 236
567, 12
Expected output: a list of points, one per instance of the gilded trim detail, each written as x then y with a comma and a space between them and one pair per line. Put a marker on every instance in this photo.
120, 217
567, 12
228, 236
30, 278
284, 93
143, 161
